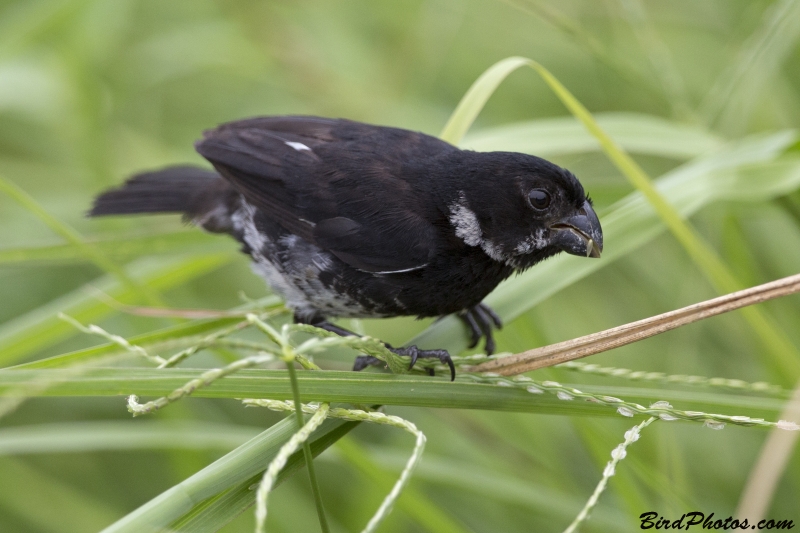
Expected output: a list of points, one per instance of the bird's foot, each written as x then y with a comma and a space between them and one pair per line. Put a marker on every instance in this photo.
363, 361
480, 319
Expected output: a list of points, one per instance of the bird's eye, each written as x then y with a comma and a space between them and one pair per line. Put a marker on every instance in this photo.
539, 198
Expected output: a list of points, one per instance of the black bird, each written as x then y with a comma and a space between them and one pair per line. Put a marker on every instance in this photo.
345, 219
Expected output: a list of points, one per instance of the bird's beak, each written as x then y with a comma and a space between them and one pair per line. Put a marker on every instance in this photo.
579, 234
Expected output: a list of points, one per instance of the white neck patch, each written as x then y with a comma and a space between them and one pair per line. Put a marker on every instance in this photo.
465, 222
468, 229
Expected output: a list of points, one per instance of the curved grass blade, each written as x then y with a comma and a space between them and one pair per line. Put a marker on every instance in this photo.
638, 133
478, 94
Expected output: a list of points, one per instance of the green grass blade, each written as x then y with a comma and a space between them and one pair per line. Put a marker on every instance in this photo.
239, 465
118, 436
181, 334
210, 515
73, 237
736, 92
645, 134
360, 388
41, 327
119, 248
478, 94
166, 337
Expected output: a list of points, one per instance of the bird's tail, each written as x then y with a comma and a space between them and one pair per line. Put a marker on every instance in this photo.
202, 196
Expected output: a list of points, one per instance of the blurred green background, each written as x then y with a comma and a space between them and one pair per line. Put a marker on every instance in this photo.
91, 91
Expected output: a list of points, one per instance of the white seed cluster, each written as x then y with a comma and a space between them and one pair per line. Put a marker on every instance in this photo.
359, 415
626, 373
617, 454
122, 342
660, 409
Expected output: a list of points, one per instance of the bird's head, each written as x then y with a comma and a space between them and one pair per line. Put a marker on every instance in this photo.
522, 209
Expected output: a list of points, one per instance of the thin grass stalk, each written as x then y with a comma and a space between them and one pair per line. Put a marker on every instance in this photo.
772, 462
312, 476
300, 438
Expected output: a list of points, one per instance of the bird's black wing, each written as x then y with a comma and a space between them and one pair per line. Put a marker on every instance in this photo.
352, 189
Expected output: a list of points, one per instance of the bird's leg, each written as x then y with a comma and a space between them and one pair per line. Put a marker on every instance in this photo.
363, 361
480, 319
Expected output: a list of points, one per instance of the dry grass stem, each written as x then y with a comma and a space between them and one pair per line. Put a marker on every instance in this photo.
635, 331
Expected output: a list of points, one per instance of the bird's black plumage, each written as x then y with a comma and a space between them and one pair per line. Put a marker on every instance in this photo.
345, 219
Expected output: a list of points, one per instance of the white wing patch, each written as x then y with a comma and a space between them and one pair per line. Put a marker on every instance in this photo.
297, 146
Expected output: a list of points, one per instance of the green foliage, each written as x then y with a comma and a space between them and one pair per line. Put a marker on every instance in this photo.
704, 98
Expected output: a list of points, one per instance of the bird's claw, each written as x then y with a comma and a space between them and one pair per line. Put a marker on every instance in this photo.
479, 320
414, 354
